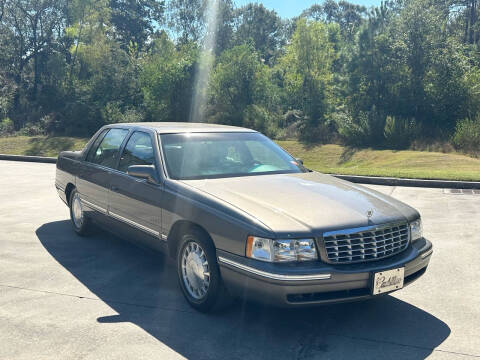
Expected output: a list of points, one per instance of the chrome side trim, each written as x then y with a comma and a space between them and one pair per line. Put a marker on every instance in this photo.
133, 223
428, 253
59, 187
93, 206
164, 237
269, 275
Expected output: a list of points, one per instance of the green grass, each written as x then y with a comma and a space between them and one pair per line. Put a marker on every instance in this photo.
324, 158
406, 164
39, 145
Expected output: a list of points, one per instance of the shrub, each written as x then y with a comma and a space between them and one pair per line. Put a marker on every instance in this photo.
366, 130
259, 118
319, 134
31, 129
113, 114
6, 127
372, 128
467, 136
400, 133
307, 131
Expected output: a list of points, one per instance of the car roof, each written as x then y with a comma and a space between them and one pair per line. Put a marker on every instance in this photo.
183, 127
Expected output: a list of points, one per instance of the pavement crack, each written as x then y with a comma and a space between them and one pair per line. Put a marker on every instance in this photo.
107, 301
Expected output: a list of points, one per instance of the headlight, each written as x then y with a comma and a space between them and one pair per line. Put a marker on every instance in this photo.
416, 230
281, 250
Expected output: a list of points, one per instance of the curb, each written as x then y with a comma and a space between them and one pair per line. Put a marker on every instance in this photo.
371, 180
444, 184
40, 159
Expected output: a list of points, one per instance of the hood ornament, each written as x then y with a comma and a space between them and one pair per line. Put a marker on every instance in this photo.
369, 214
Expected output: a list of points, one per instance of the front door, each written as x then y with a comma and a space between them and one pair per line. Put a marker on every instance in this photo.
135, 201
93, 181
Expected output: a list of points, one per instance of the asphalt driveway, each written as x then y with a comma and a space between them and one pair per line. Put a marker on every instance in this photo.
66, 297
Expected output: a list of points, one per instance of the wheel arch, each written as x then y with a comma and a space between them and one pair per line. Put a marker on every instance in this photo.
68, 190
180, 228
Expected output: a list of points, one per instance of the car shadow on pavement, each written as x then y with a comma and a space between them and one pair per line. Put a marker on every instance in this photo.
141, 286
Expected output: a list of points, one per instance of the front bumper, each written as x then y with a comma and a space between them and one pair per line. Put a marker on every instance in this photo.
303, 284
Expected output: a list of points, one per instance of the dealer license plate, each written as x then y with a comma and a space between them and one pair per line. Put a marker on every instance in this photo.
388, 280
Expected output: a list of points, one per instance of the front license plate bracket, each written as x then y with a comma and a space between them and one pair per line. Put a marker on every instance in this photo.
388, 280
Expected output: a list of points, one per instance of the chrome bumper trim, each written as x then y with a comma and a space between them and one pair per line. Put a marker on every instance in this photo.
93, 206
428, 253
133, 223
271, 275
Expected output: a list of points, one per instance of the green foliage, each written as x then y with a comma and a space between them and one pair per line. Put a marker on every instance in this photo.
347, 15
471, 81
467, 136
7, 92
400, 133
262, 27
167, 79
372, 128
186, 18
134, 21
259, 118
112, 113
239, 88
307, 65
385, 77
367, 129
6, 126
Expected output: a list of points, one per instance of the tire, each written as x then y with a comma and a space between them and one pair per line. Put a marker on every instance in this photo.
196, 256
80, 222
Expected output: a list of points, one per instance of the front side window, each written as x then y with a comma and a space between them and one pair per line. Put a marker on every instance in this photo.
106, 152
138, 151
214, 155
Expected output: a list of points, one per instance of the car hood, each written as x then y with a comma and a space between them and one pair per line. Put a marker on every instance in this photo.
311, 202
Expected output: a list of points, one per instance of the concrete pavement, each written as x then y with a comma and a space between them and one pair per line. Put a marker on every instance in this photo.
66, 297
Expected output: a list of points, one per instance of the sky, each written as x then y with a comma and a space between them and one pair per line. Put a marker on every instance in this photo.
290, 8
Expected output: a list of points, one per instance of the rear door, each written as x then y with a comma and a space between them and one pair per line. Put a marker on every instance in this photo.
93, 181
134, 201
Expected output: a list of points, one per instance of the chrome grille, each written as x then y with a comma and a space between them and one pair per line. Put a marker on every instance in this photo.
365, 244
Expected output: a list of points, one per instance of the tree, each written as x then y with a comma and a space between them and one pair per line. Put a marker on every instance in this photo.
186, 18
7, 92
435, 64
264, 28
404, 66
307, 65
224, 26
33, 24
241, 92
135, 20
347, 15
167, 80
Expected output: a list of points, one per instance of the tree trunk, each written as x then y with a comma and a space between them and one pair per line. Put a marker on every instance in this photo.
473, 15
35, 60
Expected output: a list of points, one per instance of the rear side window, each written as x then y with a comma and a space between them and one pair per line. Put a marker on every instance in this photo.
138, 151
95, 144
106, 152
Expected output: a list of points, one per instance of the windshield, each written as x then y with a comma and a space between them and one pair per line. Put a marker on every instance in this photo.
215, 155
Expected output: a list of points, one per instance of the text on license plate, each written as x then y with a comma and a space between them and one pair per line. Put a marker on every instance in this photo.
388, 280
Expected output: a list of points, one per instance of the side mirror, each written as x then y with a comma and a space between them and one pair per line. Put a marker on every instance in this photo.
300, 161
146, 172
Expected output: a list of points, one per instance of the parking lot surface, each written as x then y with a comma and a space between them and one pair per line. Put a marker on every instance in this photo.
67, 297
